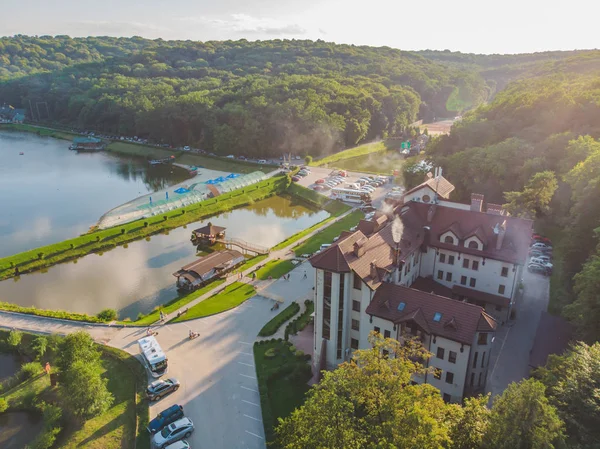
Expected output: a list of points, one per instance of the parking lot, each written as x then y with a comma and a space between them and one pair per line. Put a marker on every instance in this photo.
317, 173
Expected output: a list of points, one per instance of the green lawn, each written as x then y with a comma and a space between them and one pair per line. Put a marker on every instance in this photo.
231, 297
361, 150
329, 233
275, 269
114, 429
282, 382
383, 163
175, 304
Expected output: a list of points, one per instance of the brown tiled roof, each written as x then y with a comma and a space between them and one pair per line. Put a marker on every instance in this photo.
481, 296
467, 222
209, 229
428, 285
486, 323
203, 265
440, 185
552, 337
460, 321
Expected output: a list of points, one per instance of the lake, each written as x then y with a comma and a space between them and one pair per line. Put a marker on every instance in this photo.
50, 193
138, 278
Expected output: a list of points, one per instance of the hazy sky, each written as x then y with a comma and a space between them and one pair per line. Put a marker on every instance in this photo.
478, 26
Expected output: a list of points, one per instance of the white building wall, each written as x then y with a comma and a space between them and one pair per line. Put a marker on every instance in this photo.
454, 205
418, 195
427, 261
458, 369
479, 361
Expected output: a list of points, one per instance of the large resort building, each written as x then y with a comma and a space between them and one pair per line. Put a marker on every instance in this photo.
443, 271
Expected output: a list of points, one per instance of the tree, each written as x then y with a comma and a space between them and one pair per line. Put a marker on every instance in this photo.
308, 159
535, 197
369, 402
572, 384
14, 338
585, 310
522, 418
84, 390
75, 347
470, 423
3, 405
39, 345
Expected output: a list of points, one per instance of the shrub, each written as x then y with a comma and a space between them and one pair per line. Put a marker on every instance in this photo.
272, 326
108, 315
72, 246
3, 405
14, 338
145, 224
308, 159
28, 370
299, 353
165, 217
292, 348
270, 353
40, 255
183, 212
122, 230
97, 238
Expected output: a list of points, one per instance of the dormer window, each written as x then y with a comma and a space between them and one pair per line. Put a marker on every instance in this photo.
473, 244
449, 239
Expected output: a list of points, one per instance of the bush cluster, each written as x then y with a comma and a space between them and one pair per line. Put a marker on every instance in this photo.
271, 327
301, 322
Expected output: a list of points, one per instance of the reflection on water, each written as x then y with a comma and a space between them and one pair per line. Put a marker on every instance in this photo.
9, 365
49, 193
137, 278
17, 429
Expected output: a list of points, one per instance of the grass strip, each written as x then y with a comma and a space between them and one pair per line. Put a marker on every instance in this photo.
64, 315
275, 269
277, 321
44, 132
293, 327
100, 241
232, 296
329, 233
282, 381
175, 304
360, 150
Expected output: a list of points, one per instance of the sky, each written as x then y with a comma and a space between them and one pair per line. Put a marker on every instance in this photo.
471, 26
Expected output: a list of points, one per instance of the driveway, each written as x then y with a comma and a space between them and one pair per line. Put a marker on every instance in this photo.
510, 356
219, 390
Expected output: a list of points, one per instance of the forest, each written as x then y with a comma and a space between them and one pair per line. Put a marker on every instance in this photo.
253, 98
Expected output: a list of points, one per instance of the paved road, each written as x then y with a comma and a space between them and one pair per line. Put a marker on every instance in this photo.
510, 358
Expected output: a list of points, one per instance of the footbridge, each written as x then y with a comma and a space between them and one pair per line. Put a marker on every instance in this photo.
244, 245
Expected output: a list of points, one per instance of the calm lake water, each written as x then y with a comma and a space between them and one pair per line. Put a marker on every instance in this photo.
50, 193
138, 278
17, 429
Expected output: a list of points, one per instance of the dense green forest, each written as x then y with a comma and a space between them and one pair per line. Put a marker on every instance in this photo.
253, 98
535, 147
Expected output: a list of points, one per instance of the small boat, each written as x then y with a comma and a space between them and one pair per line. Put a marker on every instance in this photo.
21, 153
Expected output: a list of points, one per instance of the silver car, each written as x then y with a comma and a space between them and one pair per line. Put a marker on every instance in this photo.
173, 432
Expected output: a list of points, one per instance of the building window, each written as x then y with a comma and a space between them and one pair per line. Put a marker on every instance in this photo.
482, 359
450, 260
472, 379
440, 353
354, 343
452, 357
449, 276
465, 263
482, 339
426, 198
437, 373
440, 274
449, 239
473, 244
327, 306
340, 321
472, 282
357, 282
355, 325
415, 260
376, 329
387, 334
504, 272
475, 360
463, 280
479, 383
447, 397
449, 377
475, 265
356, 305
501, 289
442, 258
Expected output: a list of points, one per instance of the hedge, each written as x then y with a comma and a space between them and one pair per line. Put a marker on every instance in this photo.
302, 321
276, 322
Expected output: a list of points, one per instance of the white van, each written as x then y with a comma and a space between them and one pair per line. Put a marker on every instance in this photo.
262, 161
324, 246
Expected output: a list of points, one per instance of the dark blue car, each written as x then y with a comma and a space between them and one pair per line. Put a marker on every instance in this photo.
165, 418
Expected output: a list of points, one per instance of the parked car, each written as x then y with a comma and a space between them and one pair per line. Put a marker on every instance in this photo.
319, 187
541, 239
540, 245
181, 444
230, 156
543, 257
173, 432
343, 173
303, 173
186, 148
367, 208
165, 418
368, 188
320, 181
538, 269
160, 388
326, 187
296, 178
540, 261
262, 161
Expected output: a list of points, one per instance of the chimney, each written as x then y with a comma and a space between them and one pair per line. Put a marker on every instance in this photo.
495, 209
358, 249
373, 271
500, 236
431, 213
440, 172
476, 202
426, 237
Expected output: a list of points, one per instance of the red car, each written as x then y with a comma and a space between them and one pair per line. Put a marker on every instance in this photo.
318, 188
296, 178
319, 181
540, 238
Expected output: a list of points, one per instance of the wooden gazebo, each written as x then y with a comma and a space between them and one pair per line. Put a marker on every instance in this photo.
208, 234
